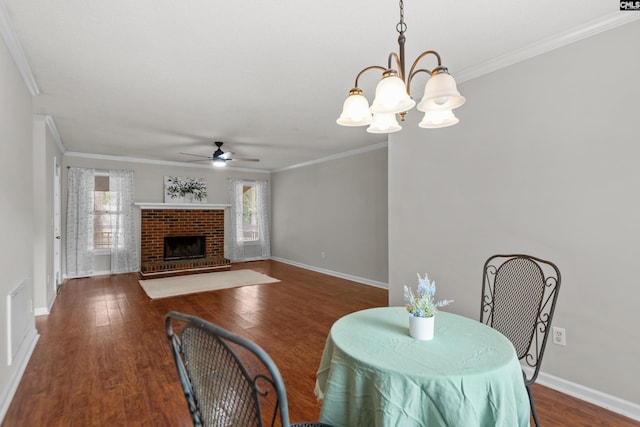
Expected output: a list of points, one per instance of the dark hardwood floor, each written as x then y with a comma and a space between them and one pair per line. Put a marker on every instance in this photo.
103, 359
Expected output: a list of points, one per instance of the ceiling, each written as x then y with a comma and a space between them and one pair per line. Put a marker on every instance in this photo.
153, 78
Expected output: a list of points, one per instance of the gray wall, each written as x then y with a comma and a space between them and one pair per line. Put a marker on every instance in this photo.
338, 207
545, 162
16, 215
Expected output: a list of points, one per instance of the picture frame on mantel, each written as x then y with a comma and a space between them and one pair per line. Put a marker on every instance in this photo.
178, 189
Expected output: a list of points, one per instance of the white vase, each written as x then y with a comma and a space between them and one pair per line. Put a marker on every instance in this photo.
421, 328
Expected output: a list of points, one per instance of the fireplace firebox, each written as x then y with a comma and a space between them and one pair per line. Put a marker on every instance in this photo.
184, 247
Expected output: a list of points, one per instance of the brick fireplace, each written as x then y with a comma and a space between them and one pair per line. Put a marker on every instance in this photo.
158, 221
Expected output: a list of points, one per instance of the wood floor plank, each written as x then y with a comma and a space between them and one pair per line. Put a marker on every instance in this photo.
103, 359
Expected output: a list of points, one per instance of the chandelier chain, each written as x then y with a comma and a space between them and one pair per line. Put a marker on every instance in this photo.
401, 27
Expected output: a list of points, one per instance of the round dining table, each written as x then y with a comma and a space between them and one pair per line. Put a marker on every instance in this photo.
373, 374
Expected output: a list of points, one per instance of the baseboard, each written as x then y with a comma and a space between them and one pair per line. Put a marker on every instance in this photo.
334, 273
612, 403
45, 311
6, 396
41, 311
256, 258
168, 273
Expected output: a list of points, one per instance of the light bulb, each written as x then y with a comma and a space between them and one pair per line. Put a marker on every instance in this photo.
441, 100
440, 93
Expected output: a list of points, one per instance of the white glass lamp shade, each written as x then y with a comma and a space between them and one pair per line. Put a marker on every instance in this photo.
438, 119
384, 123
391, 96
219, 162
440, 93
355, 110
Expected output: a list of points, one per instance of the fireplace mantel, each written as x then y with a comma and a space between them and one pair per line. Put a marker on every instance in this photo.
194, 206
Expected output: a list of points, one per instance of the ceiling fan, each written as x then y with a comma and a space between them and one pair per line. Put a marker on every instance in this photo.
219, 157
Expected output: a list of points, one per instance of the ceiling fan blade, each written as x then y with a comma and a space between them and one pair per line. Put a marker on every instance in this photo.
227, 156
196, 155
208, 159
240, 159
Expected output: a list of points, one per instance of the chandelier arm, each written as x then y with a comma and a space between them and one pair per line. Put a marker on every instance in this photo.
413, 73
399, 63
415, 63
373, 67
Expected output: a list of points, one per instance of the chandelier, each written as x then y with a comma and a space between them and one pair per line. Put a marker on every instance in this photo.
393, 96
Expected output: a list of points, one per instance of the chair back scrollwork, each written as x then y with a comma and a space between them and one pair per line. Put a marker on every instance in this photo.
519, 294
227, 380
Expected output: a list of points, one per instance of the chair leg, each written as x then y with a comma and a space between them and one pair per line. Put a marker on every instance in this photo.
533, 406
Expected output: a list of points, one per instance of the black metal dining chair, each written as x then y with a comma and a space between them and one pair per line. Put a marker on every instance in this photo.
519, 294
227, 380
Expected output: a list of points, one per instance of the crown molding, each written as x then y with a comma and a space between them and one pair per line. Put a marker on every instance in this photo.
349, 153
575, 34
16, 51
51, 125
158, 162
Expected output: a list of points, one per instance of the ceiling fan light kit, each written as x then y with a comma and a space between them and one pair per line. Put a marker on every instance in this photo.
393, 95
219, 163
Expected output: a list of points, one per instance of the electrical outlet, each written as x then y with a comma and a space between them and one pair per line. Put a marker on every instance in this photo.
559, 336
322, 254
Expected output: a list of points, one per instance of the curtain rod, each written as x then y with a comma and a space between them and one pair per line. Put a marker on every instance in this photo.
249, 180
95, 169
101, 170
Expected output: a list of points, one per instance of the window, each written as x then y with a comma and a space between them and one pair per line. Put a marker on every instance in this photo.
102, 214
100, 221
247, 235
249, 214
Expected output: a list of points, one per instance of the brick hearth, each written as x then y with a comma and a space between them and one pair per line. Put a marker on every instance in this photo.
158, 223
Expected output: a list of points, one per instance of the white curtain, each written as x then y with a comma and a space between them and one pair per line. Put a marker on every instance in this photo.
124, 249
262, 188
235, 248
79, 241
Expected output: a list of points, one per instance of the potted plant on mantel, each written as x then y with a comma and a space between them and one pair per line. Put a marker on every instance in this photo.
423, 308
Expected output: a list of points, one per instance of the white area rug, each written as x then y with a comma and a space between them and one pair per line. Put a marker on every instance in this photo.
203, 282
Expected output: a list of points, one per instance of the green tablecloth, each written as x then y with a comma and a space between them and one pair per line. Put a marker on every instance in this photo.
373, 373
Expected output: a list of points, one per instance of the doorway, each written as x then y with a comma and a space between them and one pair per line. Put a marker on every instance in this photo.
57, 225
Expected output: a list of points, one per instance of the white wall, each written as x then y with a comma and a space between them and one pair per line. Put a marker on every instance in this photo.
16, 215
545, 162
338, 208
